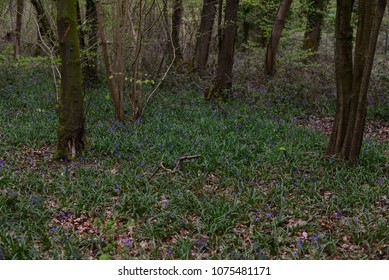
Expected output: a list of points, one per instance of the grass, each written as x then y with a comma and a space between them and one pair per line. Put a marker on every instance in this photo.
261, 187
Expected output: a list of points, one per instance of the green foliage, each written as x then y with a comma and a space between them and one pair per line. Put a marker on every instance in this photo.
259, 15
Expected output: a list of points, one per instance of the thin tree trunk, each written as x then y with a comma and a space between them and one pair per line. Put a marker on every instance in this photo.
44, 26
275, 37
219, 25
246, 32
18, 28
347, 134
71, 115
226, 55
314, 25
245, 25
176, 27
81, 34
208, 14
116, 98
136, 95
387, 36
91, 55
166, 44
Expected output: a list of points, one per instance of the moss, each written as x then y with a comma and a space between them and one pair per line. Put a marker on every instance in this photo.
70, 108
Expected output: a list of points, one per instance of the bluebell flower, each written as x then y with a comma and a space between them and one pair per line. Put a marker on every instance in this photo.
128, 243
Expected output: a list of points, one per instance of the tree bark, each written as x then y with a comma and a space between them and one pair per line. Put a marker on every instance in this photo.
314, 25
386, 49
246, 32
81, 33
226, 54
176, 27
71, 114
219, 25
44, 26
208, 14
18, 28
116, 97
352, 78
275, 37
90, 70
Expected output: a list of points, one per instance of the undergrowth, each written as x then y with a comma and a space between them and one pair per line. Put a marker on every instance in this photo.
260, 188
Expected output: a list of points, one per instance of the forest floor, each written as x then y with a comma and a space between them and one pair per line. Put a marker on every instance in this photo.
258, 187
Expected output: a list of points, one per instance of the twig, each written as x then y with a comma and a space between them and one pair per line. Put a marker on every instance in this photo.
178, 166
168, 170
183, 159
155, 172
54, 68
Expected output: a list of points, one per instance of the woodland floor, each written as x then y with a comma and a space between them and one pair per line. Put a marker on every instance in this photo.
260, 188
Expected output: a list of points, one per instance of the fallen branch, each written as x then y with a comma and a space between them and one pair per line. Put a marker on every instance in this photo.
183, 159
178, 166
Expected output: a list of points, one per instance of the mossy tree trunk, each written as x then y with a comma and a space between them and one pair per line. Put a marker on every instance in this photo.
225, 63
208, 15
315, 17
70, 107
275, 37
352, 77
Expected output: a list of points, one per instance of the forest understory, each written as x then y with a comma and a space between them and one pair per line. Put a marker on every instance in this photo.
259, 187
171, 129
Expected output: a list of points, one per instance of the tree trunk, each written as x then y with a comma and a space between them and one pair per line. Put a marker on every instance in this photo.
71, 115
352, 79
18, 28
246, 32
90, 70
81, 34
387, 36
208, 14
245, 25
314, 24
275, 37
116, 97
176, 27
219, 25
226, 54
44, 26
